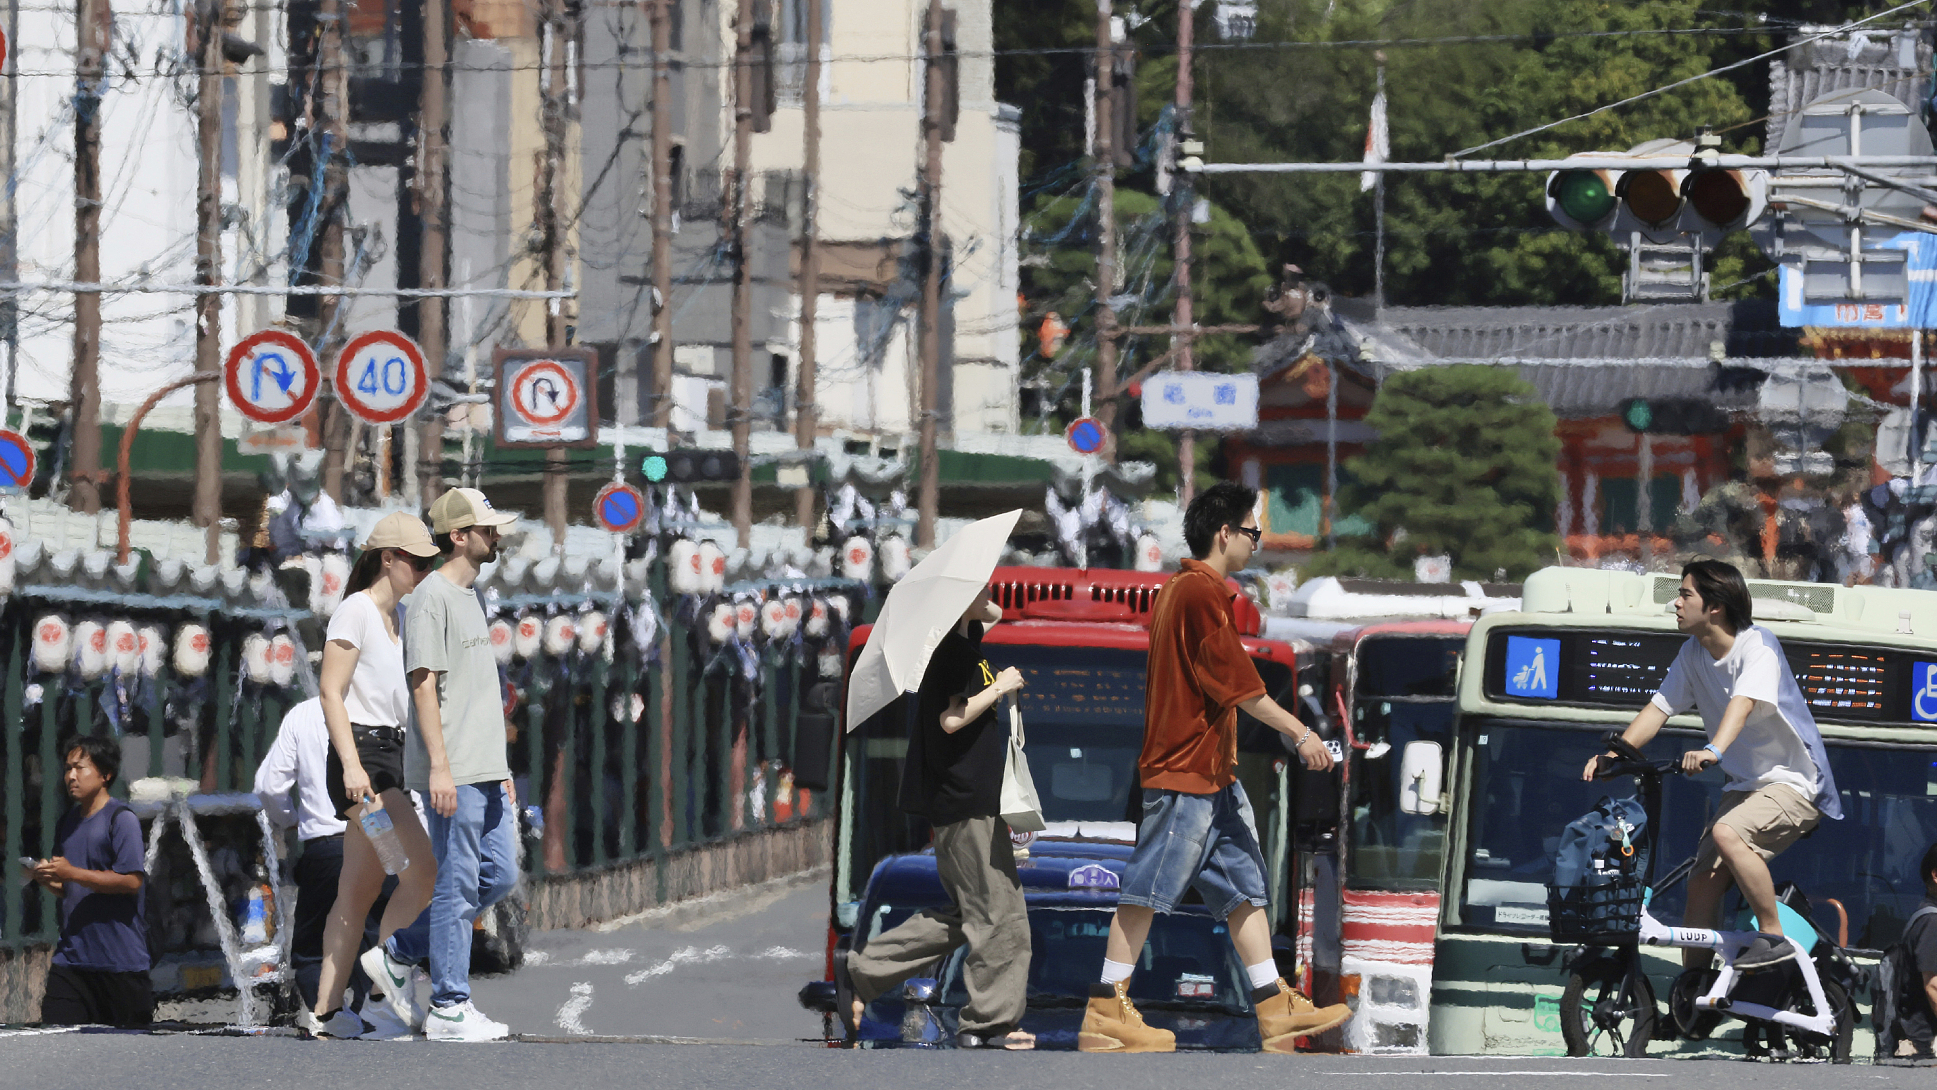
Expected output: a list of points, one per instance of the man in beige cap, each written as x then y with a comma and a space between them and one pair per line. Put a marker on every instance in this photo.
456, 756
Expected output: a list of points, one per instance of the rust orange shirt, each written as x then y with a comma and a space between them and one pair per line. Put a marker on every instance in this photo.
1198, 674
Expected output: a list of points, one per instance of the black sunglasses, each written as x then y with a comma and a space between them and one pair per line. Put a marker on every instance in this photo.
1256, 535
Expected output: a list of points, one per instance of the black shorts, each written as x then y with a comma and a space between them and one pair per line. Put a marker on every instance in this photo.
96, 997
381, 749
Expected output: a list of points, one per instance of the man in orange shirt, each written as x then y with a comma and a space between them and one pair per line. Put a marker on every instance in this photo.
1197, 826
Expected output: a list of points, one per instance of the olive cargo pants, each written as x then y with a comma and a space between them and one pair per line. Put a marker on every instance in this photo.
977, 866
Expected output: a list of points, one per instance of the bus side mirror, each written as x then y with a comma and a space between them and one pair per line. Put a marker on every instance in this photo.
1420, 767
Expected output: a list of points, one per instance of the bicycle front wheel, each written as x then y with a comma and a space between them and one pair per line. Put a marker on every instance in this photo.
1597, 1019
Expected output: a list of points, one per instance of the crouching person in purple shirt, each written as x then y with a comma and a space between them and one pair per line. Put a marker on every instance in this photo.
100, 968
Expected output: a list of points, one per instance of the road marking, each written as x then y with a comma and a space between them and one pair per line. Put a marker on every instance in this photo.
591, 957
571, 1013
1489, 1074
39, 1032
693, 955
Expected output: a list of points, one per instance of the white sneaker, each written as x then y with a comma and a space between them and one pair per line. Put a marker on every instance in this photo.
342, 1024
463, 1022
397, 982
384, 1025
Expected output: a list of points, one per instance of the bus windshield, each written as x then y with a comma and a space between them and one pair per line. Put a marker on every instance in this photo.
1526, 787
1404, 694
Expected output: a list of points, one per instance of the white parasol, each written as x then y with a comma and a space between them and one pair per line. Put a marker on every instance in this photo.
919, 612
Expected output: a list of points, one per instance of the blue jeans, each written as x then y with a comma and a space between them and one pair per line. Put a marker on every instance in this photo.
477, 864
1209, 841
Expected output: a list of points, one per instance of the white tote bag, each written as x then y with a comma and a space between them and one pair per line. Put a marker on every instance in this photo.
1021, 807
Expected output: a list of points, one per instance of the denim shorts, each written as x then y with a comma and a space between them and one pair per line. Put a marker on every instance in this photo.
1210, 841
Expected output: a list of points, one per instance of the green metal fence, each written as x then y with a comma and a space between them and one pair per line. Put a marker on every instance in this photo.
626, 755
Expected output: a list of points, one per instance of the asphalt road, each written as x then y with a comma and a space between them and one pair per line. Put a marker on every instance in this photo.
703, 996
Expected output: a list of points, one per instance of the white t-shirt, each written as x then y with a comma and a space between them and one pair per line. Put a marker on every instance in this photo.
1780, 742
378, 695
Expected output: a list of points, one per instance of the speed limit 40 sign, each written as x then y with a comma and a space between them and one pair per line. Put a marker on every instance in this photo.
380, 377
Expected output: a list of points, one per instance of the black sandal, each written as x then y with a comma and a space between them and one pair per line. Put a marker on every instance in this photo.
844, 998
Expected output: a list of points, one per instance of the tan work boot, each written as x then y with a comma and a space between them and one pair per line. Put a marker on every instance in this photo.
1112, 1024
1285, 1015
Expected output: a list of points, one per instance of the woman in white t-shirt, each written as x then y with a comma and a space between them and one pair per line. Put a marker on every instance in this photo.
366, 704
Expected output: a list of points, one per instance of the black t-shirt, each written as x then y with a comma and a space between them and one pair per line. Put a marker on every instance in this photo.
1913, 1007
953, 777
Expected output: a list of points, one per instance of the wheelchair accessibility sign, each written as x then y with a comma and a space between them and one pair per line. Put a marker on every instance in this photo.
1923, 692
1533, 668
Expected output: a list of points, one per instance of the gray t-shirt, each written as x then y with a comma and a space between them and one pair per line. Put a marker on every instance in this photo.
445, 631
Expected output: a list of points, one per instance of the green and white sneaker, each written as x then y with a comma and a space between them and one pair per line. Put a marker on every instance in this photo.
395, 980
463, 1022
341, 1025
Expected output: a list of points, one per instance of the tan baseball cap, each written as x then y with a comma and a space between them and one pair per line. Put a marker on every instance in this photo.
459, 508
401, 531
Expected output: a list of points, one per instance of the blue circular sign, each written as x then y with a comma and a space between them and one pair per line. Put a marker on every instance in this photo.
16, 460
619, 508
1085, 435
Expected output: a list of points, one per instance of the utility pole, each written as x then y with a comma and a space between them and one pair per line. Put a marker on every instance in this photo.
331, 103
433, 212
929, 500
84, 391
1183, 196
663, 14
806, 415
552, 229
741, 397
208, 268
1103, 163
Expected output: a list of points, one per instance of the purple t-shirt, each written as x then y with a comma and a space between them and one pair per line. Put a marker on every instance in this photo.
106, 932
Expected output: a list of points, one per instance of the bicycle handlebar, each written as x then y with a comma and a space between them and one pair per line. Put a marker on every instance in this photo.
1630, 762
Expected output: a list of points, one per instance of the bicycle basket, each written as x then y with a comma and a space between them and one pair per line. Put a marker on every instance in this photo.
1603, 911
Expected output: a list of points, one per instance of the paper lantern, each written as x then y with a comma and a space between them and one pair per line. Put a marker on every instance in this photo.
336, 574
894, 558
746, 614
6, 557
774, 621
255, 658
684, 562
561, 635
719, 625
817, 617
712, 561
124, 648
150, 645
192, 647
282, 659
857, 559
526, 638
91, 649
592, 631
1150, 553
53, 643
501, 635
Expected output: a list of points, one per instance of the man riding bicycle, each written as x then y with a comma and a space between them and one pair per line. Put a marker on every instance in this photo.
1732, 671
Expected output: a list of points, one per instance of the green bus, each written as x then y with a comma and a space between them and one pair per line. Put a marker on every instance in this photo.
1537, 689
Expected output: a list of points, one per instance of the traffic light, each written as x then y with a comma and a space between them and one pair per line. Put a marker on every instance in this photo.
689, 466
1673, 416
1581, 200
1662, 206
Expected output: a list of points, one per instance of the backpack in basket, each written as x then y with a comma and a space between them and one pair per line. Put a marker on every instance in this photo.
1596, 892
1895, 985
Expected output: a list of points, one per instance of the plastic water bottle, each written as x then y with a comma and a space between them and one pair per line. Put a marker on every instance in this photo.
255, 918
383, 836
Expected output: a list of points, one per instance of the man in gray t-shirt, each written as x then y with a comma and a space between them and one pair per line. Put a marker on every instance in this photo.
455, 754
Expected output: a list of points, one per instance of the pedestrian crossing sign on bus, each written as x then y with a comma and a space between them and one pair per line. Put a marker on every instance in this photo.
1532, 667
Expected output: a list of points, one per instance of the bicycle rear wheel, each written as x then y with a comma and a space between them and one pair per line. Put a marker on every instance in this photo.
1596, 1020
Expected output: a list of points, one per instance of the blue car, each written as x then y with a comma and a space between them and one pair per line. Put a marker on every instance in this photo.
1189, 981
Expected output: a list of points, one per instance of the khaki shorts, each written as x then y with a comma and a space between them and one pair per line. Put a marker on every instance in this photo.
1768, 819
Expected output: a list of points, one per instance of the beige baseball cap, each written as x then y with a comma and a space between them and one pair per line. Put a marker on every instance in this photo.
401, 531
459, 508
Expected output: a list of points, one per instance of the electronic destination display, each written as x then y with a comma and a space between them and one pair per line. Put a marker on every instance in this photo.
1623, 669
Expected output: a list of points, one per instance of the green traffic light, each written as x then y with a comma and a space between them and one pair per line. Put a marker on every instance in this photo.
1583, 195
654, 467
1639, 415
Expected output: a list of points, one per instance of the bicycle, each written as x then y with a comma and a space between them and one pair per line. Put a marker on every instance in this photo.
1801, 1010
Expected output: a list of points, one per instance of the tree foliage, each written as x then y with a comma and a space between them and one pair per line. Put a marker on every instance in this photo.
1464, 466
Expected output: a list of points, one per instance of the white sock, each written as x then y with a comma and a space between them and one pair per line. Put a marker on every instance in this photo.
1263, 974
1114, 971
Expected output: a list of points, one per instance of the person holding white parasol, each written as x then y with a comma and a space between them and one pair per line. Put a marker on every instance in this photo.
928, 642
